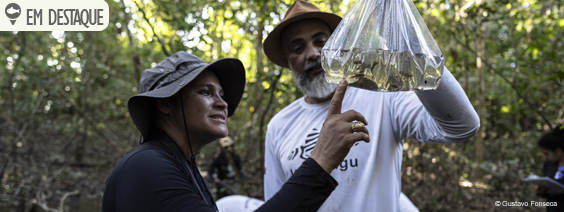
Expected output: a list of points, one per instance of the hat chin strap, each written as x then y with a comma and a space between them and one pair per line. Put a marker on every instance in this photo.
192, 157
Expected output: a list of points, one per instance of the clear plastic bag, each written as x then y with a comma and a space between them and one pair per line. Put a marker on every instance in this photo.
383, 45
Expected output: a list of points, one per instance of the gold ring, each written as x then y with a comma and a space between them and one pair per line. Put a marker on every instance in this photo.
357, 126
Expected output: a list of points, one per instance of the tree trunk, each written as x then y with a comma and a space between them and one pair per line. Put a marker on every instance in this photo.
79, 153
260, 67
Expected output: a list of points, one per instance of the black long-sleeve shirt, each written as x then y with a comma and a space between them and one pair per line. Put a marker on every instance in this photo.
549, 170
156, 177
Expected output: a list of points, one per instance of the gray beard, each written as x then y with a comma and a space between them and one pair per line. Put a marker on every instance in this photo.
317, 88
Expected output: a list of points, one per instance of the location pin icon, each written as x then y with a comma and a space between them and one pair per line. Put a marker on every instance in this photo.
13, 11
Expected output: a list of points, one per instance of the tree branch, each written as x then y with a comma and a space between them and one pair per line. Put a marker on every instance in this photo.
14, 69
110, 136
163, 47
513, 86
272, 88
37, 103
134, 55
62, 201
42, 201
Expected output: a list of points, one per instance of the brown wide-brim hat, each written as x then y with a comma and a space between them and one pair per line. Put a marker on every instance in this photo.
300, 10
177, 71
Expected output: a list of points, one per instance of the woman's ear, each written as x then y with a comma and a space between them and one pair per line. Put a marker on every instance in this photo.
164, 106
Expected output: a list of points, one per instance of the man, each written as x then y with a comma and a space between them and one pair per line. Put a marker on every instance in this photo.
225, 180
369, 177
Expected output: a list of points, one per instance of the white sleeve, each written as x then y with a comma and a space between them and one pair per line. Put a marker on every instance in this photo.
444, 115
273, 173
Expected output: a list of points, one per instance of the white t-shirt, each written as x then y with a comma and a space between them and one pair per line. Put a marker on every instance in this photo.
405, 204
238, 203
369, 177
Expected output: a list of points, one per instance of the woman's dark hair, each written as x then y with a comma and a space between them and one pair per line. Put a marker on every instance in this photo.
553, 139
153, 129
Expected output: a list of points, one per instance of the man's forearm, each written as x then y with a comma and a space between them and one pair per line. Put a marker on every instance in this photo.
451, 109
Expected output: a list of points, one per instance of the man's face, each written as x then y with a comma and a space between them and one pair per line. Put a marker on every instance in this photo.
551, 156
302, 43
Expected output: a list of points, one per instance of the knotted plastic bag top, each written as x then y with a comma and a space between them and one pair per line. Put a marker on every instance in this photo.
383, 45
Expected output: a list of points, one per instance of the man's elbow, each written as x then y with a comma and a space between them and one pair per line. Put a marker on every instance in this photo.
471, 131
474, 125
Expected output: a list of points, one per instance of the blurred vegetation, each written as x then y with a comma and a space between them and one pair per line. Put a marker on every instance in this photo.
64, 122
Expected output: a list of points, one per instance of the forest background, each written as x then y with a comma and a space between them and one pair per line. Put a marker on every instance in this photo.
64, 121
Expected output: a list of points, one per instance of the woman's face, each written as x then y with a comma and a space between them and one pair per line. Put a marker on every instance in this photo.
204, 108
550, 156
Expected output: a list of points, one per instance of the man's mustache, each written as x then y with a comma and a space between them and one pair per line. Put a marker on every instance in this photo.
311, 64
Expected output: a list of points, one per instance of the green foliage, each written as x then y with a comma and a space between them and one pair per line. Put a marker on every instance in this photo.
63, 97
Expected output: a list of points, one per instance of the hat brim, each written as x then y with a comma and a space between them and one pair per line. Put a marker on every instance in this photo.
272, 47
229, 71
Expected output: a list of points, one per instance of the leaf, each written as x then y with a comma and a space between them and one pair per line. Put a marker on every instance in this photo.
560, 75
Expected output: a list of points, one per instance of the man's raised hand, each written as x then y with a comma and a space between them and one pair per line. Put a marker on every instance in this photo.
336, 137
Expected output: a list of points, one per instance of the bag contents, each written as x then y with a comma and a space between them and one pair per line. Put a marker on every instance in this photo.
383, 45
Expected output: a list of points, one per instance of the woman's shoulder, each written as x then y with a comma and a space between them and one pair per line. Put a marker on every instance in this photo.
147, 158
547, 165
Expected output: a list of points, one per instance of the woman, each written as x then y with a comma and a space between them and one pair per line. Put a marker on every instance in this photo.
182, 106
552, 146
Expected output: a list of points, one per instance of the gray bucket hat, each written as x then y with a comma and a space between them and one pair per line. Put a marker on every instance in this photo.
165, 79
